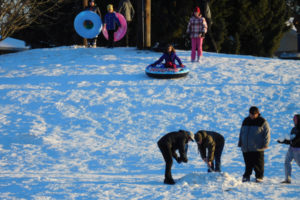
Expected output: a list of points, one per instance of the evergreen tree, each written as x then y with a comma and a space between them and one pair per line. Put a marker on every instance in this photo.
257, 26
220, 12
169, 19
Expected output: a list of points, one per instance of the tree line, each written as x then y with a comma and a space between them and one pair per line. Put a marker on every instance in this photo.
238, 27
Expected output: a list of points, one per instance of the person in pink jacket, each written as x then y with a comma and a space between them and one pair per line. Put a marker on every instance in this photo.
197, 28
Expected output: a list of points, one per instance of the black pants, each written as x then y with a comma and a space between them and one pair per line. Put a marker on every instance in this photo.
254, 160
111, 38
92, 42
216, 163
167, 154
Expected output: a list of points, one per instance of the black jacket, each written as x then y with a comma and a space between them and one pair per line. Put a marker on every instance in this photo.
94, 9
295, 138
175, 141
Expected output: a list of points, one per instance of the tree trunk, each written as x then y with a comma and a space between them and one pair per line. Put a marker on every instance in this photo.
140, 24
84, 4
148, 23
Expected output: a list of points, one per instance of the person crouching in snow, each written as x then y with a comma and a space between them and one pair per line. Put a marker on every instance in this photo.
111, 23
214, 143
197, 28
168, 145
169, 56
294, 149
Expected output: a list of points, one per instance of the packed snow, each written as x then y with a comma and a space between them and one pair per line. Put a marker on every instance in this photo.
82, 123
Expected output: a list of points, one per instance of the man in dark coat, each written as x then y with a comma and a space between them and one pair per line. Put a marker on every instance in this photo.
168, 145
92, 7
214, 143
254, 139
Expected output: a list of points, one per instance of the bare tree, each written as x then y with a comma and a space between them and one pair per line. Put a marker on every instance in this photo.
19, 14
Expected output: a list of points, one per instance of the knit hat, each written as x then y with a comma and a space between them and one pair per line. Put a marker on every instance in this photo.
197, 9
191, 135
110, 7
254, 110
198, 137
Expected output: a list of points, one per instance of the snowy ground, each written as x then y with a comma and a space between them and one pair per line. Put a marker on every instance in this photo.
79, 123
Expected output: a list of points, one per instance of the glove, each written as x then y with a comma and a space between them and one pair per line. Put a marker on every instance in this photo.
181, 65
280, 142
178, 160
285, 141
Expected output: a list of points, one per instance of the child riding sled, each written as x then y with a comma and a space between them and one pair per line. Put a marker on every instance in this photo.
169, 56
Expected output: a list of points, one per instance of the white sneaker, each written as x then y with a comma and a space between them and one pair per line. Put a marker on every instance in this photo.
259, 180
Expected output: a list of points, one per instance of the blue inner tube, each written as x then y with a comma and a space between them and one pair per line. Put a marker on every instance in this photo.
160, 71
88, 24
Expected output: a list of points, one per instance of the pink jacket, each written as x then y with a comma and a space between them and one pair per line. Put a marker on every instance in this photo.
196, 26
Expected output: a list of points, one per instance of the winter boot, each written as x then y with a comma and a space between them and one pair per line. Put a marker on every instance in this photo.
245, 179
169, 181
286, 182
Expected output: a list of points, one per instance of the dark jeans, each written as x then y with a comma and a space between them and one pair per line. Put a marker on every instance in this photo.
110, 38
216, 164
167, 154
254, 160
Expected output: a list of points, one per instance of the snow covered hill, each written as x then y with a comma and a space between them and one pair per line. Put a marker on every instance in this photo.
79, 123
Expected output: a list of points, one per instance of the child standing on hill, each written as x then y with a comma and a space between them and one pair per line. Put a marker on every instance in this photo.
294, 149
92, 7
111, 23
169, 56
197, 28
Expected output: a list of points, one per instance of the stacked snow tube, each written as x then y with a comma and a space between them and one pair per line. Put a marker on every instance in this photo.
290, 55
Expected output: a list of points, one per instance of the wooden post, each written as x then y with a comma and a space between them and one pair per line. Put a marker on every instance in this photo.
148, 23
84, 4
140, 24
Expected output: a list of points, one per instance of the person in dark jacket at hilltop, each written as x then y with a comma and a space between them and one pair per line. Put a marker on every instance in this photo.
126, 9
214, 143
92, 7
254, 139
168, 145
294, 149
169, 56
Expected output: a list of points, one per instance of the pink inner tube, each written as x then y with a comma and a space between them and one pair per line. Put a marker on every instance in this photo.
119, 34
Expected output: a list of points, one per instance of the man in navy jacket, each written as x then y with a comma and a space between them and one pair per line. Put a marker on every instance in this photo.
254, 139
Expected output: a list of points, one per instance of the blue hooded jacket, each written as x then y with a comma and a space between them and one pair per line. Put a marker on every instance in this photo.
111, 20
